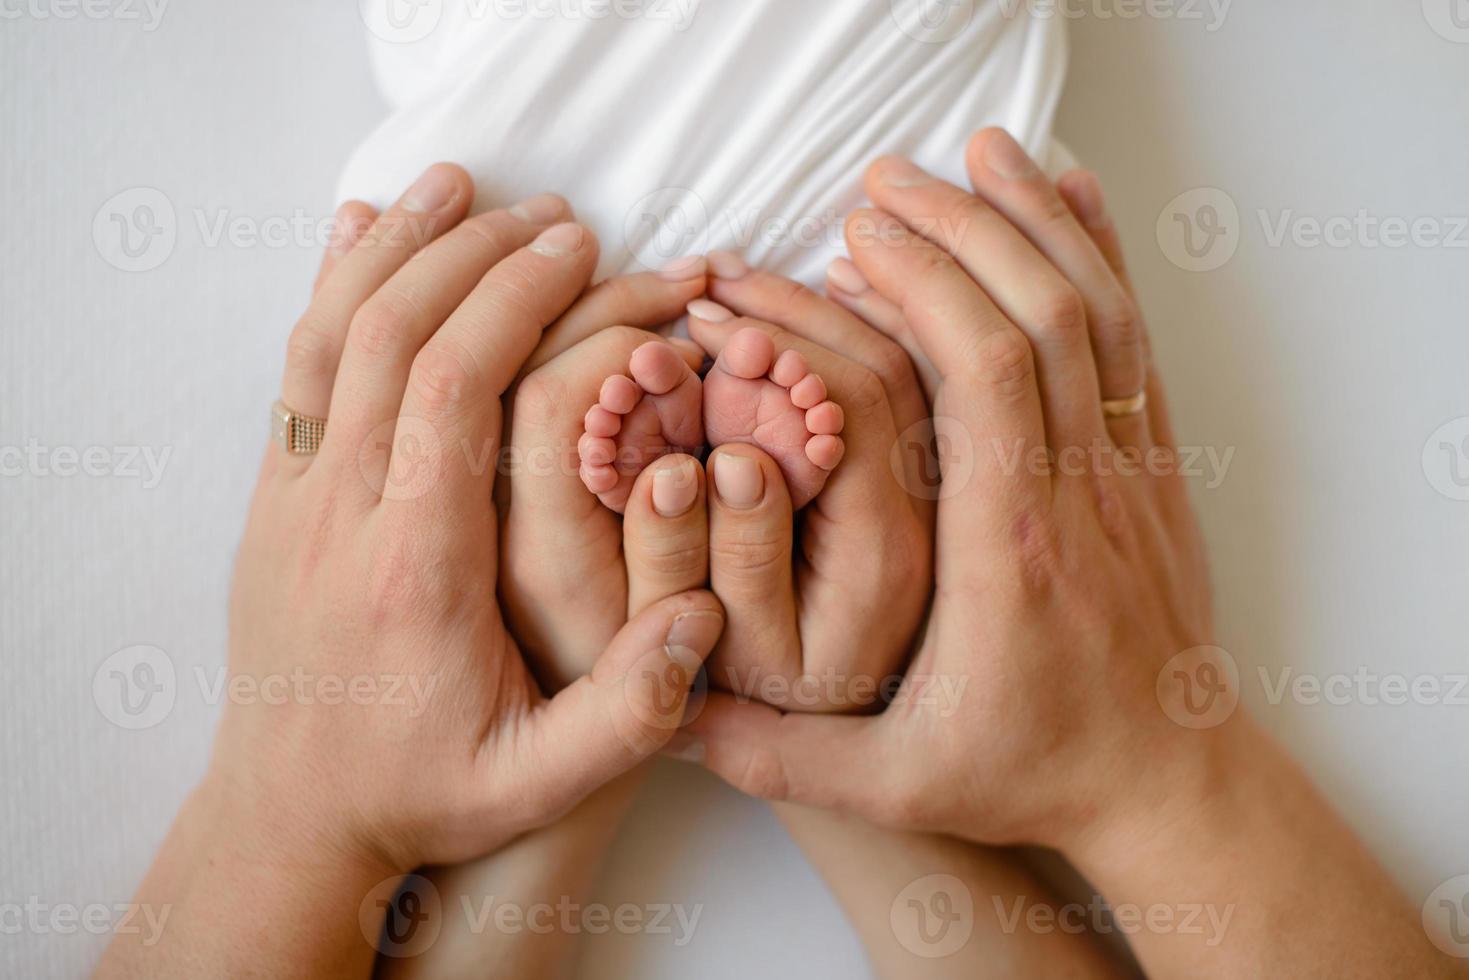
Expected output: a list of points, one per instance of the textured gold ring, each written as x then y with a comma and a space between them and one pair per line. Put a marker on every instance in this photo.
1121, 408
297, 434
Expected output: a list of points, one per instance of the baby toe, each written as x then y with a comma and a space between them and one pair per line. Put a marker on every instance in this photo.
620, 394
748, 354
598, 479
825, 451
790, 368
600, 422
596, 450
808, 392
825, 419
658, 368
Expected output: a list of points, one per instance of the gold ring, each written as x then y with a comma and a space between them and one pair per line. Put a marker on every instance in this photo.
297, 434
1121, 408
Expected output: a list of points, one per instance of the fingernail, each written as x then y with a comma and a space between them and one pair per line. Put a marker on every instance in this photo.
674, 489
708, 310
727, 265
845, 276
1086, 194
900, 172
559, 241
540, 210
684, 269
434, 190
685, 748
1005, 157
738, 480
691, 638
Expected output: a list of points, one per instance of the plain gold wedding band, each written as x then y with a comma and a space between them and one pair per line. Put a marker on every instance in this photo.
297, 434
1121, 408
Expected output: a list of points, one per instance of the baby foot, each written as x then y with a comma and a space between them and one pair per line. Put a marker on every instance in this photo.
637, 419
778, 404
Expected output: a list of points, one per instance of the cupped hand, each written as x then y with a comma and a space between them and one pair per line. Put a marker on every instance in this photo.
822, 611
1069, 568
414, 732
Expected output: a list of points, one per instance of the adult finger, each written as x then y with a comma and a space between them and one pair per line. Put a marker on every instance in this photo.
1023, 284
989, 388
1082, 192
644, 299
834, 762
751, 537
665, 532
847, 287
607, 722
431, 208
458, 377
350, 226
390, 330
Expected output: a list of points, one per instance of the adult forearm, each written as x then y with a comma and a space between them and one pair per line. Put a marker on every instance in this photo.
239, 890
1249, 872
928, 906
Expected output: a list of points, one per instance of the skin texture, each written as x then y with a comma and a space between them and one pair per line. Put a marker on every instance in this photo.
1063, 592
378, 558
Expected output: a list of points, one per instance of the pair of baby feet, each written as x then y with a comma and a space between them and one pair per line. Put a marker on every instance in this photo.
749, 395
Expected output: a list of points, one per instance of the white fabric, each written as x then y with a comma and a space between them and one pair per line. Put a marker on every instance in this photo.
741, 124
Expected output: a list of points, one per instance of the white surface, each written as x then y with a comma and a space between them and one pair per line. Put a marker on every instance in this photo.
1327, 369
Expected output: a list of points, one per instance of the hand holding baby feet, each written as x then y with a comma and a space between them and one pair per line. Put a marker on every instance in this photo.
652, 410
777, 403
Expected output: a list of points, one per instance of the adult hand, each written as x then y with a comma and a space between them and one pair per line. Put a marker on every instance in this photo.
1061, 589
370, 569
1071, 596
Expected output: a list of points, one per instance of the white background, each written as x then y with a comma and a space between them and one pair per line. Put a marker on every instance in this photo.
1325, 369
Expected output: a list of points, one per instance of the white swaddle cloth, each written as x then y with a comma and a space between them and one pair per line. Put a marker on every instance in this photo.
679, 126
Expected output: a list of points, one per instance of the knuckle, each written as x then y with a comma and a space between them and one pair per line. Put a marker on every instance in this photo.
443, 376
493, 231
1060, 311
623, 338
541, 399
311, 349
674, 555
892, 365
1119, 325
379, 327
866, 393
754, 554
764, 776
1004, 362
